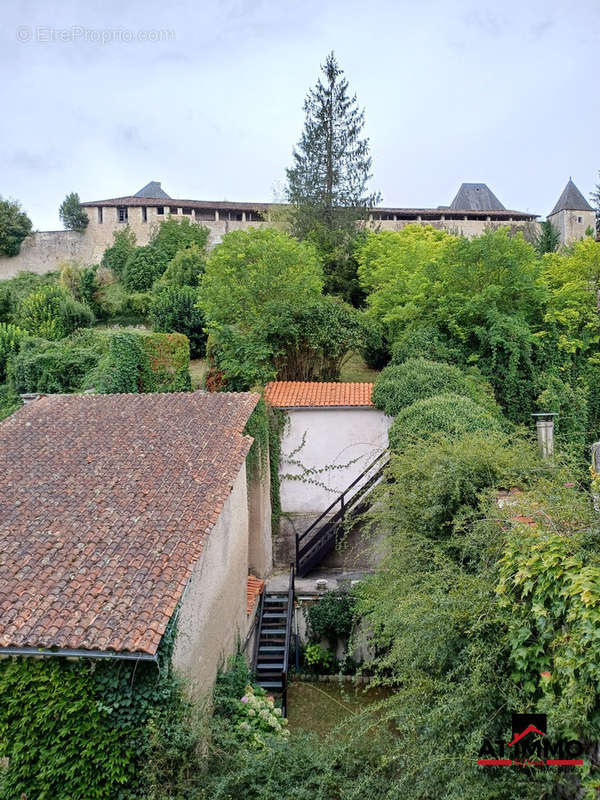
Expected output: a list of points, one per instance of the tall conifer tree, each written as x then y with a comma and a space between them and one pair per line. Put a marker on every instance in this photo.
328, 182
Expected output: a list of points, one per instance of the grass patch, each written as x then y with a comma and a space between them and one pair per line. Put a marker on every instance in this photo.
198, 370
354, 368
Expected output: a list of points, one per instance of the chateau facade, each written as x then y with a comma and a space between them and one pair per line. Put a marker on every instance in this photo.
474, 208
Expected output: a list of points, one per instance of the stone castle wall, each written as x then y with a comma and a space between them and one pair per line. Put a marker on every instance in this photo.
569, 226
44, 251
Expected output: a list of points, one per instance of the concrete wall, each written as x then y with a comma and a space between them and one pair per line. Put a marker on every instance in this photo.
569, 226
213, 611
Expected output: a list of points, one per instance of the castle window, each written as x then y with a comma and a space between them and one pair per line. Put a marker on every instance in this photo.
160, 210
100, 215
173, 209
122, 213
144, 214
579, 219
186, 210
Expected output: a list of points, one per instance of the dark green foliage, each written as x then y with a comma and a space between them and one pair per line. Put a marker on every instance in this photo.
258, 428
144, 265
448, 414
88, 286
11, 338
376, 347
53, 367
9, 401
83, 729
401, 385
548, 238
169, 361
173, 308
185, 268
423, 341
276, 418
309, 344
173, 235
53, 313
571, 405
332, 616
115, 257
327, 185
72, 215
15, 225
14, 290
126, 366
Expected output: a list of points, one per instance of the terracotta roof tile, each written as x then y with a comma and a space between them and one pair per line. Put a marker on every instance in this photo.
294, 394
255, 589
105, 503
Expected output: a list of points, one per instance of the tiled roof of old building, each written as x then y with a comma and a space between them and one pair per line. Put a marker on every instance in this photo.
154, 190
293, 394
105, 504
255, 589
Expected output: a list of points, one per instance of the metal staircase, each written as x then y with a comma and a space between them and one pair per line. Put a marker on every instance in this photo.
273, 639
327, 530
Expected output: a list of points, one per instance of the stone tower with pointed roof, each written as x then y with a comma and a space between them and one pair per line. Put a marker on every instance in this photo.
572, 215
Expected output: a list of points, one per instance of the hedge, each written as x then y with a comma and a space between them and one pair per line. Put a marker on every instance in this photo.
448, 414
401, 385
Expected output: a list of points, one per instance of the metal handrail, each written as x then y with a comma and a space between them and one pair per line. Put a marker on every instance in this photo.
288, 639
258, 625
340, 498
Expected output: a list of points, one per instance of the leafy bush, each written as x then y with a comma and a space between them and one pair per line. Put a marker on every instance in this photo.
309, 344
186, 267
424, 341
319, 659
169, 361
53, 313
401, 385
375, 348
331, 616
15, 225
14, 290
126, 366
116, 256
252, 280
143, 266
53, 367
173, 235
173, 309
448, 414
9, 401
11, 339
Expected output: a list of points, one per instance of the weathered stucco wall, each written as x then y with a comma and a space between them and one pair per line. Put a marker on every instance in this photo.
43, 252
340, 441
568, 224
260, 540
213, 611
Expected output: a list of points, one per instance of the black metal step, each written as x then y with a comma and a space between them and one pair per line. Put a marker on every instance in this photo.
270, 684
273, 631
271, 666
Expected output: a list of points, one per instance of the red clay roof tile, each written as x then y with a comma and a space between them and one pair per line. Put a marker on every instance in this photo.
105, 502
310, 394
255, 589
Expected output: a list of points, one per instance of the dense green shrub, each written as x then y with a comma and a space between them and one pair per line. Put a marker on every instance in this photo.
15, 225
53, 313
445, 414
375, 348
169, 360
115, 257
424, 341
72, 215
84, 729
9, 401
186, 267
309, 344
53, 367
14, 290
401, 385
173, 235
331, 616
126, 366
144, 265
11, 339
173, 309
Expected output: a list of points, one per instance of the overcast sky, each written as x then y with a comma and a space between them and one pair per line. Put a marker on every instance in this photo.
102, 97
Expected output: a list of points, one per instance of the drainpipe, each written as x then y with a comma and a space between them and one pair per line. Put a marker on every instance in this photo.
544, 422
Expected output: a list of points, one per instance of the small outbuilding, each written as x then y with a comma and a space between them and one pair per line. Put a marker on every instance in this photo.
118, 512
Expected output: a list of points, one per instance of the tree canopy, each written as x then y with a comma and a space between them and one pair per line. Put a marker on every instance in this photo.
15, 225
72, 215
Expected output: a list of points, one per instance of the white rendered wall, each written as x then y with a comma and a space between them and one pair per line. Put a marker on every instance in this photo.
342, 440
